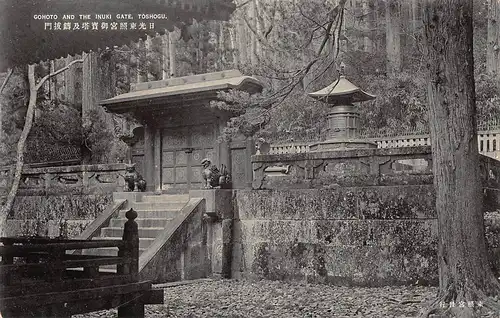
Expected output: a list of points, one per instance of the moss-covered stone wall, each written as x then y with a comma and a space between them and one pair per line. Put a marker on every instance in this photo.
368, 236
55, 215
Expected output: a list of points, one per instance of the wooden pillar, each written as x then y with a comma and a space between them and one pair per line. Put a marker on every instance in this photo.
157, 160
225, 154
149, 157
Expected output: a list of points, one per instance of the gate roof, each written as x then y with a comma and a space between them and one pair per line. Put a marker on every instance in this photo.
180, 91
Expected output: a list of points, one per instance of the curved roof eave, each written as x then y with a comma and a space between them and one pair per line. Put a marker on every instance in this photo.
342, 88
192, 85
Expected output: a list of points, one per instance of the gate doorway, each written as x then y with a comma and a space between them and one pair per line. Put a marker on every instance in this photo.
183, 148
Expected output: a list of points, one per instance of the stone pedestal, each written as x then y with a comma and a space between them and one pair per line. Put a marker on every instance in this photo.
343, 124
219, 218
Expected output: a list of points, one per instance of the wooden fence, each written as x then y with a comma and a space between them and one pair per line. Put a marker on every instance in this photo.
42, 277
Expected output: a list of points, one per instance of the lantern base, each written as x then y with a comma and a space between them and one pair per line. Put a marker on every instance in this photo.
342, 144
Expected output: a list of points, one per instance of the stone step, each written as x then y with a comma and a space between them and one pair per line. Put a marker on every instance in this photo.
144, 242
157, 205
145, 232
141, 222
106, 251
151, 213
174, 198
131, 196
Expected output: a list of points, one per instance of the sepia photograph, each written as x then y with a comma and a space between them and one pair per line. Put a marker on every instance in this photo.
249, 158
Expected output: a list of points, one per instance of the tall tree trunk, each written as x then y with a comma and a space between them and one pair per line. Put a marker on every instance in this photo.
367, 26
171, 53
141, 62
99, 82
222, 46
251, 12
377, 6
69, 83
393, 36
164, 57
148, 44
52, 81
7, 207
414, 15
464, 271
4, 83
493, 44
241, 32
233, 46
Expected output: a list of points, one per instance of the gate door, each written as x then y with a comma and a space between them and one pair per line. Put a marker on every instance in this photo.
183, 148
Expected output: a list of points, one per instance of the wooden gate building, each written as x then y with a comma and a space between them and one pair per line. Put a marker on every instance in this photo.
177, 128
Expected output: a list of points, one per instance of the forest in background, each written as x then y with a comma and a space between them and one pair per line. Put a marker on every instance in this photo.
379, 42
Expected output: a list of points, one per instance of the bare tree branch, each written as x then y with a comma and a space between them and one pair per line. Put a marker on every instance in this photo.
319, 25
6, 80
46, 77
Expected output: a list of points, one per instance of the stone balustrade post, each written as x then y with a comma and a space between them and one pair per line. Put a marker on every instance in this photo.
131, 239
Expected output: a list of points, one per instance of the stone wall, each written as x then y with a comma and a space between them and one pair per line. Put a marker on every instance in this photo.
60, 201
55, 215
82, 179
366, 236
181, 251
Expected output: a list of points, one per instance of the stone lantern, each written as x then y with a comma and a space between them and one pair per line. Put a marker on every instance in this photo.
343, 119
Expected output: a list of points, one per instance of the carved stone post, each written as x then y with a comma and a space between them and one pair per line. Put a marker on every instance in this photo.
131, 248
227, 247
134, 308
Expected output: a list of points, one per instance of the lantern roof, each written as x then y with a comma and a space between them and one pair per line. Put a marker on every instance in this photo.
341, 91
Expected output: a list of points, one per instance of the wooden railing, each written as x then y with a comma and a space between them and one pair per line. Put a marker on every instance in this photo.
41, 276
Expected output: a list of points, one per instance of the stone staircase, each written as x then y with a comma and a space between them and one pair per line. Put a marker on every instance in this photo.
155, 212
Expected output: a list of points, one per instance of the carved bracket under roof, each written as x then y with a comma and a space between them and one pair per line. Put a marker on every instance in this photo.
127, 127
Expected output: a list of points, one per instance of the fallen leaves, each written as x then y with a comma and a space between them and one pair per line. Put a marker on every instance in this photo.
245, 298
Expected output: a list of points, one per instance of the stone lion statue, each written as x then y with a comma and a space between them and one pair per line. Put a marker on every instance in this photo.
133, 179
215, 178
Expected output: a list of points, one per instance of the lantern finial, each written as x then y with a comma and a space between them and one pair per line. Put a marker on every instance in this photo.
342, 69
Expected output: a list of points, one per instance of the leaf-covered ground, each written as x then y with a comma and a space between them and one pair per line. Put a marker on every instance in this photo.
233, 298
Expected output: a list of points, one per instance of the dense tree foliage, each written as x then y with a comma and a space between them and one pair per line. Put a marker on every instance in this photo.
294, 47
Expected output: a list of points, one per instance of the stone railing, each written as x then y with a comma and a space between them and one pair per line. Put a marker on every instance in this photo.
298, 147
82, 179
402, 141
352, 167
488, 143
355, 167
